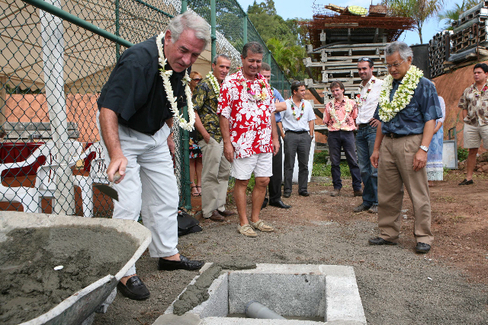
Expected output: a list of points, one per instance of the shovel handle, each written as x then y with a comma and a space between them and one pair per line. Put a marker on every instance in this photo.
117, 176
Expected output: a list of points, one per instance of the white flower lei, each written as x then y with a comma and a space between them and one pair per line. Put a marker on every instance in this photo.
165, 75
347, 109
214, 82
403, 95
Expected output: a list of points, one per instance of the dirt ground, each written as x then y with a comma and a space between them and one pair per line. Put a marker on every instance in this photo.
449, 285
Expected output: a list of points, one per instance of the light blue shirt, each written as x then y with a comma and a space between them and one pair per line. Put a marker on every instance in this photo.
290, 123
277, 95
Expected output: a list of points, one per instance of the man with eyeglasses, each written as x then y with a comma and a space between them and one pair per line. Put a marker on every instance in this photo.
408, 108
367, 101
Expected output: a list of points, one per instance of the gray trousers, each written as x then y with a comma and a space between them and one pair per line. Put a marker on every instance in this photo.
297, 144
215, 176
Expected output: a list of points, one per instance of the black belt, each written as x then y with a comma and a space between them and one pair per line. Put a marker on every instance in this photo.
363, 125
396, 136
297, 132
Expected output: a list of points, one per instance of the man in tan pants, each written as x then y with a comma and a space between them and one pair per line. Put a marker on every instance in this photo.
408, 108
216, 169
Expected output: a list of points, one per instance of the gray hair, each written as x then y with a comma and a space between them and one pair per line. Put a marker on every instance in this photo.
254, 47
265, 67
189, 20
225, 56
402, 48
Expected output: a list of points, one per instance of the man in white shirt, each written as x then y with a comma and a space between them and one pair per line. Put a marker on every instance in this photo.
367, 101
298, 123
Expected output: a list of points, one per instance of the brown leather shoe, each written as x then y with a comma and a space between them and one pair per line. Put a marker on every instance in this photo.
216, 216
226, 213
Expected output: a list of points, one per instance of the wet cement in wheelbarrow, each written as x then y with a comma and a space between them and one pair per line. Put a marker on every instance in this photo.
29, 284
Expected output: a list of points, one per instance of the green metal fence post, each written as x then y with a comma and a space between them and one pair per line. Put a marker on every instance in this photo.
77, 21
185, 153
213, 23
244, 29
117, 28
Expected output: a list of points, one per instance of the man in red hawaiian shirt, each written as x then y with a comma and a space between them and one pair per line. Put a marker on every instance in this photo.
249, 132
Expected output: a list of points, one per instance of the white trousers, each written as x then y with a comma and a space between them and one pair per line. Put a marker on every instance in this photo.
149, 188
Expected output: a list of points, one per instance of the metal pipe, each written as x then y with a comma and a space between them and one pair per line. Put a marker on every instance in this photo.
184, 5
255, 309
244, 29
213, 24
77, 21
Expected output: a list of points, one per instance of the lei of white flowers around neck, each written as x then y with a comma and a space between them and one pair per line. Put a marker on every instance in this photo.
348, 109
403, 95
165, 75
292, 104
214, 82
360, 100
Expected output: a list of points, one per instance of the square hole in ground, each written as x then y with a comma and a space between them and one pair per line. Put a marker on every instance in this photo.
307, 292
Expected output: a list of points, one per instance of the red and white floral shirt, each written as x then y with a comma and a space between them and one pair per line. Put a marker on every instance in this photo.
341, 115
248, 106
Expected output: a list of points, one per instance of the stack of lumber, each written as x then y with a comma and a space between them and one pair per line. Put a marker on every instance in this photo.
439, 51
469, 31
339, 63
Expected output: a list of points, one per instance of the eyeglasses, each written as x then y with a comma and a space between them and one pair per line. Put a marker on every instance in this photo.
365, 59
394, 65
197, 79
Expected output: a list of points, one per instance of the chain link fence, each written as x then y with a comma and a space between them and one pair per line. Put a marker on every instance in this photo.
56, 57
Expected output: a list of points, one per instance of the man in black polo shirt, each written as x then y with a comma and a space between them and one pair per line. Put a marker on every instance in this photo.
145, 90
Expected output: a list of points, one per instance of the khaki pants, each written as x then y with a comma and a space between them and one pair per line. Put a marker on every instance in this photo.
395, 170
215, 176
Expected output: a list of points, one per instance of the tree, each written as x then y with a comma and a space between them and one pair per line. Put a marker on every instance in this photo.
418, 10
289, 58
452, 15
284, 38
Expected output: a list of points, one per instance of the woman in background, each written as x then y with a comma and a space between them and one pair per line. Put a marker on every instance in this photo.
195, 151
435, 167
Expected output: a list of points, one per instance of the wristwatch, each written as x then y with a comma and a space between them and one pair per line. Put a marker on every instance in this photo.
424, 148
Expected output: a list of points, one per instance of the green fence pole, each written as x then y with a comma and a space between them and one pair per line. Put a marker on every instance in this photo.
185, 153
77, 21
213, 23
244, 29
117, 28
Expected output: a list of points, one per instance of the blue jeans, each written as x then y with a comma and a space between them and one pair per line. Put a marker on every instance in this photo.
365, 144
344, 139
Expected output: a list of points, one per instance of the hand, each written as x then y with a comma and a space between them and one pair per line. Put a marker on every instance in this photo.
171, 144
229, 152
117, 165
419, 160
375, 157
374, 122
206, 138
276, 146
